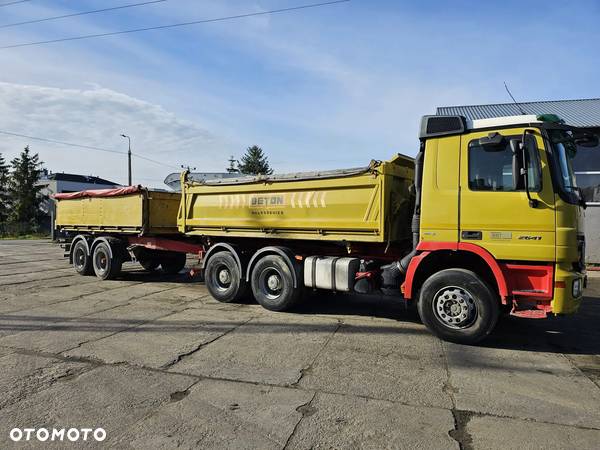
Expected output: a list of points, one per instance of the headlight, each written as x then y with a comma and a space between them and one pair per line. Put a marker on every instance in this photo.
577, 287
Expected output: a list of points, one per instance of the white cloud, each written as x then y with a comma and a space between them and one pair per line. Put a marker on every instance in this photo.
96, 117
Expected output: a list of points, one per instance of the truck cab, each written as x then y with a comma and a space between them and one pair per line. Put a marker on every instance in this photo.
497, 200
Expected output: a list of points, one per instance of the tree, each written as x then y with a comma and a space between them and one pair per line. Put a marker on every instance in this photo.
23, 191
254, 162
4, 196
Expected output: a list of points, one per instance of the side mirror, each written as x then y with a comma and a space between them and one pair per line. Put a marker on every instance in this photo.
517, 164
529, 147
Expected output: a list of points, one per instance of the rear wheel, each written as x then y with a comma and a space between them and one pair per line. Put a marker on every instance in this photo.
223, 278
273, 284
458, 306
148, 260
172, 262
107, 263
82, 261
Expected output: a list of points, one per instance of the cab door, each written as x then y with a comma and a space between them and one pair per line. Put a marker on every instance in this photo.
497, 215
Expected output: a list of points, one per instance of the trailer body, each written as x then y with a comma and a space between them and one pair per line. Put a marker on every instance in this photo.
133, 210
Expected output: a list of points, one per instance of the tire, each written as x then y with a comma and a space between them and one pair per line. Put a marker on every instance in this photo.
458, 306
273, 284
148, 261
223, 278
173, 262
82, 262
105, 266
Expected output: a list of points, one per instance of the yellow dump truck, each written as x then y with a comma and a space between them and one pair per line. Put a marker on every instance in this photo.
487, 219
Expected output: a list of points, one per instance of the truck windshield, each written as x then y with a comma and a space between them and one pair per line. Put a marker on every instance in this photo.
565, 150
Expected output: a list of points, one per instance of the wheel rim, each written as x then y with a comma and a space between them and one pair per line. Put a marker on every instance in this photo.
270, 282
454, 307
79, 258
223, 278
101, 261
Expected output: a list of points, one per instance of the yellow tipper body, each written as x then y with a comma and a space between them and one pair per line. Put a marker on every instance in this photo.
372, 204
143, 212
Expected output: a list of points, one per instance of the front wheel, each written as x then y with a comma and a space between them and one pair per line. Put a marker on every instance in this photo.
458, 306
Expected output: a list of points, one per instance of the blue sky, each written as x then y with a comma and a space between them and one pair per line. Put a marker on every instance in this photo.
320, 88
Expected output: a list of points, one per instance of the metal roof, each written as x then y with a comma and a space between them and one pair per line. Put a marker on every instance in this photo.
581, 113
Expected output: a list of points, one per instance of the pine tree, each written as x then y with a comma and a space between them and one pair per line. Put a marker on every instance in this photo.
24, 193
254, 162
4, 196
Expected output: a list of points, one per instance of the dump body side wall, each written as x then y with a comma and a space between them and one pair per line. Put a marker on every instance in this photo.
346, 208
141, 213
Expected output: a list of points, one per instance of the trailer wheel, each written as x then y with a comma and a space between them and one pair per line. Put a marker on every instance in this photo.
82, 262
173, 262
458, 306
273, 284
106, 266
148, 260
149, 264
224, 279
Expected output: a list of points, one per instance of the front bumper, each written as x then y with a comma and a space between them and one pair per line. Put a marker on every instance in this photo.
565, 301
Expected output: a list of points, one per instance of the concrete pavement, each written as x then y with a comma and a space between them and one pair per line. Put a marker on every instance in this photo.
157, 363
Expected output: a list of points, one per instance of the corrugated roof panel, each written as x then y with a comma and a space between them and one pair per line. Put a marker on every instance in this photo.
582, 112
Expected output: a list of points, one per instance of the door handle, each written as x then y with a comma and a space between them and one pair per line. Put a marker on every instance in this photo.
473, 235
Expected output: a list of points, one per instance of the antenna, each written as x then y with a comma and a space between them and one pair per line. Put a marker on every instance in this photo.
513, 99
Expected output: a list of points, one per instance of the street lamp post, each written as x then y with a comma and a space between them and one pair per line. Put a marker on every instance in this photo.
128, 158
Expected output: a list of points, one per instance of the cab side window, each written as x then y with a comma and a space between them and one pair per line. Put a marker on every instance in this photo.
490, 169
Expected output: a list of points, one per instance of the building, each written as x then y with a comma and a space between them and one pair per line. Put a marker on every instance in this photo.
55, 183
582, 113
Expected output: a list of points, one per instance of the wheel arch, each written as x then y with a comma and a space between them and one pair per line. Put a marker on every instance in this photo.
113, 244
223, 247
284, 252
462, 255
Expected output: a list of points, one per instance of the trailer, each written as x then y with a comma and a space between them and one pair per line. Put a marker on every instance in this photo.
484, 221
107, 227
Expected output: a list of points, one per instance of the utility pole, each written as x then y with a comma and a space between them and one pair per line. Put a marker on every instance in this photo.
232, 163
128, 158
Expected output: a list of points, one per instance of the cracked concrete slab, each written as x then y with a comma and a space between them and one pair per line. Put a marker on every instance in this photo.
226, 414
273, 349
55, 337
402, 363
23, 300
496, 433
341, 421
161, 342
112, 397
23, 374
525, 385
